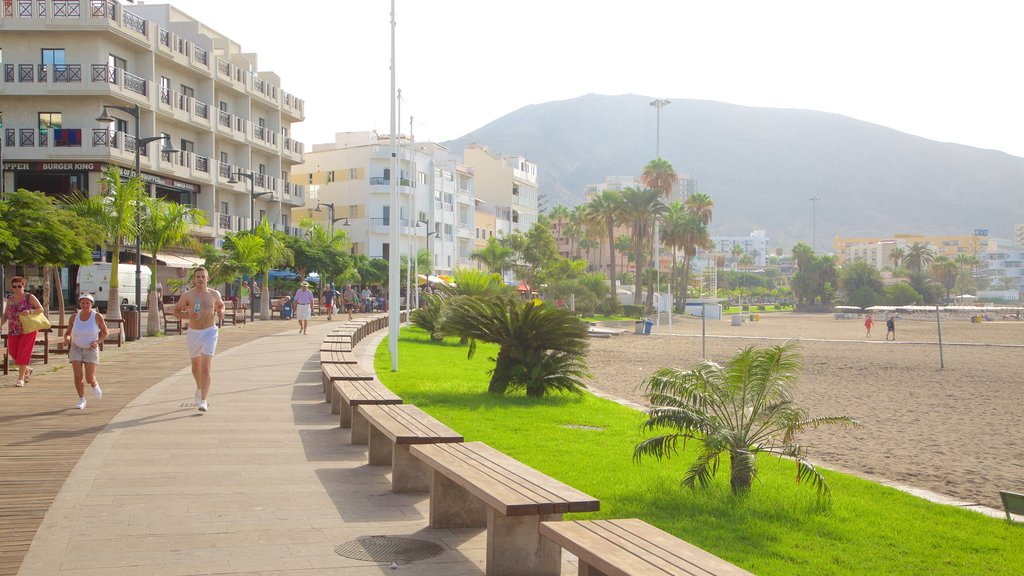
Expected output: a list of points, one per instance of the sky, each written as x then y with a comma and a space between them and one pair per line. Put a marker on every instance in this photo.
944, 70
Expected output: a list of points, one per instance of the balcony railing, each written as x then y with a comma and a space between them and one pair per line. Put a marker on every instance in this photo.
384, 181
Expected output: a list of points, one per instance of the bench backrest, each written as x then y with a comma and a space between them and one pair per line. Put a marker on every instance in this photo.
1013, 503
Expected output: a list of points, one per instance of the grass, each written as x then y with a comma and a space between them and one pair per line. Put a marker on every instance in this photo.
613, 318
779, 528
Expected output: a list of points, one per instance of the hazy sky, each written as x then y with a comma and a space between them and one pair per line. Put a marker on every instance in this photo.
945, 70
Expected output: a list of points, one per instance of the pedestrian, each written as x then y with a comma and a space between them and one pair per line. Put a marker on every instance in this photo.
327, 298
349, 299
890, 327
243, 295
303, 302
868, 323
19, 342
83, 340
202, 306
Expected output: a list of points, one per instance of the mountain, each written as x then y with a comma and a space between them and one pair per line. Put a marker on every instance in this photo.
762, 166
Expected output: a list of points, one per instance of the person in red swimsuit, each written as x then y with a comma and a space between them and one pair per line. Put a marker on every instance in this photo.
20, 343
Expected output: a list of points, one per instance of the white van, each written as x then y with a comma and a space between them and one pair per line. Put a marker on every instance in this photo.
95, 279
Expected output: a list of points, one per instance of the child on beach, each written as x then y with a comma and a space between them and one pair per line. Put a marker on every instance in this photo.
83, 339
890, 327
868, 323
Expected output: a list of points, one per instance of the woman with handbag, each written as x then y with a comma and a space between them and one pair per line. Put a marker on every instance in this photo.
83, 340
20, 342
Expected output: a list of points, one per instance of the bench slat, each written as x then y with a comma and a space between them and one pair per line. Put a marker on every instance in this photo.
632, 547
407, 424
505, 484
366, 392
344, 372
336, 357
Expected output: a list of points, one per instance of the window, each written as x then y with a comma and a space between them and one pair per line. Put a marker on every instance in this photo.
224, 157
53, 56
223, 207
223, 106
421, 178
165, 90
117, 62
330, 176
48, 121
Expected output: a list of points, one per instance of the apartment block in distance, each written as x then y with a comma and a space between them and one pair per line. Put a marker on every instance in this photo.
63, 62
350, 182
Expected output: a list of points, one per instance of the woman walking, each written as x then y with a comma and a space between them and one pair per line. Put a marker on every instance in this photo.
83, 340
20, 343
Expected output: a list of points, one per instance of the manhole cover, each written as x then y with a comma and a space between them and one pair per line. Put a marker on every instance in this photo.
389, 549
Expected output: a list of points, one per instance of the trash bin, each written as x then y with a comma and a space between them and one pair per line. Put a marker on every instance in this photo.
647, 327
737, 319
639, 327
286, 310
130, 315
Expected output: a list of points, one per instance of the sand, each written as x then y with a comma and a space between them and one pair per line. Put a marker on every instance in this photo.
954, 430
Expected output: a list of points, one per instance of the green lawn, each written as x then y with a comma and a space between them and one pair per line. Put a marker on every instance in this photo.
778, 529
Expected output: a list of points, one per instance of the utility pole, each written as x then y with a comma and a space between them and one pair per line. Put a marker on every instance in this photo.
814, 223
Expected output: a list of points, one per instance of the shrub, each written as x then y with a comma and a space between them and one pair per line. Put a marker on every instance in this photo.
632, 310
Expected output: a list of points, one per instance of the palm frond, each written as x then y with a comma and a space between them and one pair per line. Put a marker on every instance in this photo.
703, 469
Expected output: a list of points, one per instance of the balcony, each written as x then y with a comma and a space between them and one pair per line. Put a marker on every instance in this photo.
383, 225
29, 15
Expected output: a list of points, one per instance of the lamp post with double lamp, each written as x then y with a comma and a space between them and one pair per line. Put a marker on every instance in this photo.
330, 206
168, 148
658, 104
814, 223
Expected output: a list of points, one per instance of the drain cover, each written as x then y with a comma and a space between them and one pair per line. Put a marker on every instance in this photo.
388, 549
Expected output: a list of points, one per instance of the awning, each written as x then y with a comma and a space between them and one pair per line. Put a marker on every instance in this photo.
173, 261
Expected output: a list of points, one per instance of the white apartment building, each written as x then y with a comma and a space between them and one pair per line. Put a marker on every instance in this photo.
351, 177
64, 61
1004, 260
506, 183
756, 245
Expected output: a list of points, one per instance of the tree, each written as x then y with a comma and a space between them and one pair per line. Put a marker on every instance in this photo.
659, 175
541, 349
861, 279
919, 257
702, 206
34, 230
902, 294
944, 271
275, 253
603, 211
497, 257
802, 254
897, 255
114, 212
164, 225
640, 207
741, 409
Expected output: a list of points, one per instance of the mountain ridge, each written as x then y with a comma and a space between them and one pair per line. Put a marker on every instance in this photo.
762, 166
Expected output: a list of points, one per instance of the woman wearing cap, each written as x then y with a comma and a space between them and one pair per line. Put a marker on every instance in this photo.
303, 306
20, 343
83, 341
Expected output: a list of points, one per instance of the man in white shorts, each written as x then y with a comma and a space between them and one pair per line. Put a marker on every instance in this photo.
303, 303
201, 306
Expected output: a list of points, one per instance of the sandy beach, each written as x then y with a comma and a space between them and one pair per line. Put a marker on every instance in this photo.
954, 430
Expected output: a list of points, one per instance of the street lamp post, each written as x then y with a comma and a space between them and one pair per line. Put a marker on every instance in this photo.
330, 205
658, 104
814, 223
168, 148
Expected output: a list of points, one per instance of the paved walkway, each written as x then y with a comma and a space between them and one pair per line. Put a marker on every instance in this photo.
265, 483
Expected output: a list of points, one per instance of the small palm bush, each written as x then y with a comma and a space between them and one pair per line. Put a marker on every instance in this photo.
540, 348
431, 317
739, 409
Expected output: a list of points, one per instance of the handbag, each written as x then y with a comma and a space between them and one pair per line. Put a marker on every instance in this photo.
34, 322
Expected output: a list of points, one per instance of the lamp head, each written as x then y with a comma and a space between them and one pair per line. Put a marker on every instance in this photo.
104, 118
168, 148
232, 179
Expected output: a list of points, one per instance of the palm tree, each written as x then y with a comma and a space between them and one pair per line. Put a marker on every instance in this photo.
541, 348
275, 253
603, 212
803, 255
625, 247
166, 225
640, 208
897, 255
559, 214
672, 231
114, 211
702, 206
919, 257
495, 256
659, 175
743, 408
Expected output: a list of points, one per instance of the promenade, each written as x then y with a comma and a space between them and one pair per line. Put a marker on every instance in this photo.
265, 483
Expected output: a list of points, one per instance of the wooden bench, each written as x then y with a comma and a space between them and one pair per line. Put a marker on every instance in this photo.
276, 306
229, 313
335, 372
352, 393
337, 357
632, 547
392, 429
1013, 504
335, 346
172, 322
3, 350
115, 331
475, 485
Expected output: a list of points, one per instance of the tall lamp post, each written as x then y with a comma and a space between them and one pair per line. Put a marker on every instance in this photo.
168, 148
233, 179
330, 205
658, 105
814, 223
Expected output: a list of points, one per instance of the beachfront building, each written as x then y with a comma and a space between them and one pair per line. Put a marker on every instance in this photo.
877, 251
1004, 263
65, 64
509, 184
755, 245
351, 180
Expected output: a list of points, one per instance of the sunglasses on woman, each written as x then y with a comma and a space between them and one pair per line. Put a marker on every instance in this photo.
17, 286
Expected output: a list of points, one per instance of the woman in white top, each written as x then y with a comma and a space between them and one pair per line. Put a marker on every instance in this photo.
83, 341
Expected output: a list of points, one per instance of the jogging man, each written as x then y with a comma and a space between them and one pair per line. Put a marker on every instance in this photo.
202, 307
